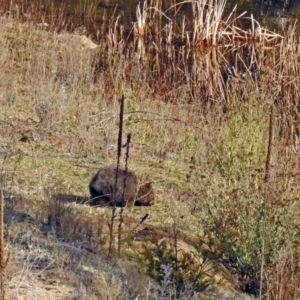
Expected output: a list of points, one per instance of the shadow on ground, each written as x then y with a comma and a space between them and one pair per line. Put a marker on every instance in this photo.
70, 198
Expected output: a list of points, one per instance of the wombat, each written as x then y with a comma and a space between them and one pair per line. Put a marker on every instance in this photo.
103, 184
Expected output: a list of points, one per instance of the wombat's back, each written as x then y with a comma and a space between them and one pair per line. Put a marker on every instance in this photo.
103, 184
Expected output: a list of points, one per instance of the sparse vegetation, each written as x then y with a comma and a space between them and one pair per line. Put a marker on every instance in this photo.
197, 105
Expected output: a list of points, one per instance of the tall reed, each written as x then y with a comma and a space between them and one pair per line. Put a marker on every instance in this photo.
3, 260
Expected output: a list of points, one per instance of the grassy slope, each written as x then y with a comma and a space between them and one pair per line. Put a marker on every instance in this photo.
58, 127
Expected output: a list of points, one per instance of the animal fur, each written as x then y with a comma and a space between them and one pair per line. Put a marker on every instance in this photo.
127, 192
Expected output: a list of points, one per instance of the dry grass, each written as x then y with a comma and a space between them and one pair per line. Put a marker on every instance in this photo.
199, 127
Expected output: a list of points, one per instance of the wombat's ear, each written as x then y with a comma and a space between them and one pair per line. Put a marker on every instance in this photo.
145, 178
147, 184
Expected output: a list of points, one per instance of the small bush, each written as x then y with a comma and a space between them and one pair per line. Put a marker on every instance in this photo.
174, 269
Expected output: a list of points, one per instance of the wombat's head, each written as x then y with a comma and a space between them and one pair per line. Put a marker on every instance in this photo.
145, 196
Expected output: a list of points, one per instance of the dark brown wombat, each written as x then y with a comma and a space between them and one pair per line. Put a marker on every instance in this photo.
102, 189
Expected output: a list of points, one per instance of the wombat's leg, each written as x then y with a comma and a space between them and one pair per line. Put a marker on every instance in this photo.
99, 200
